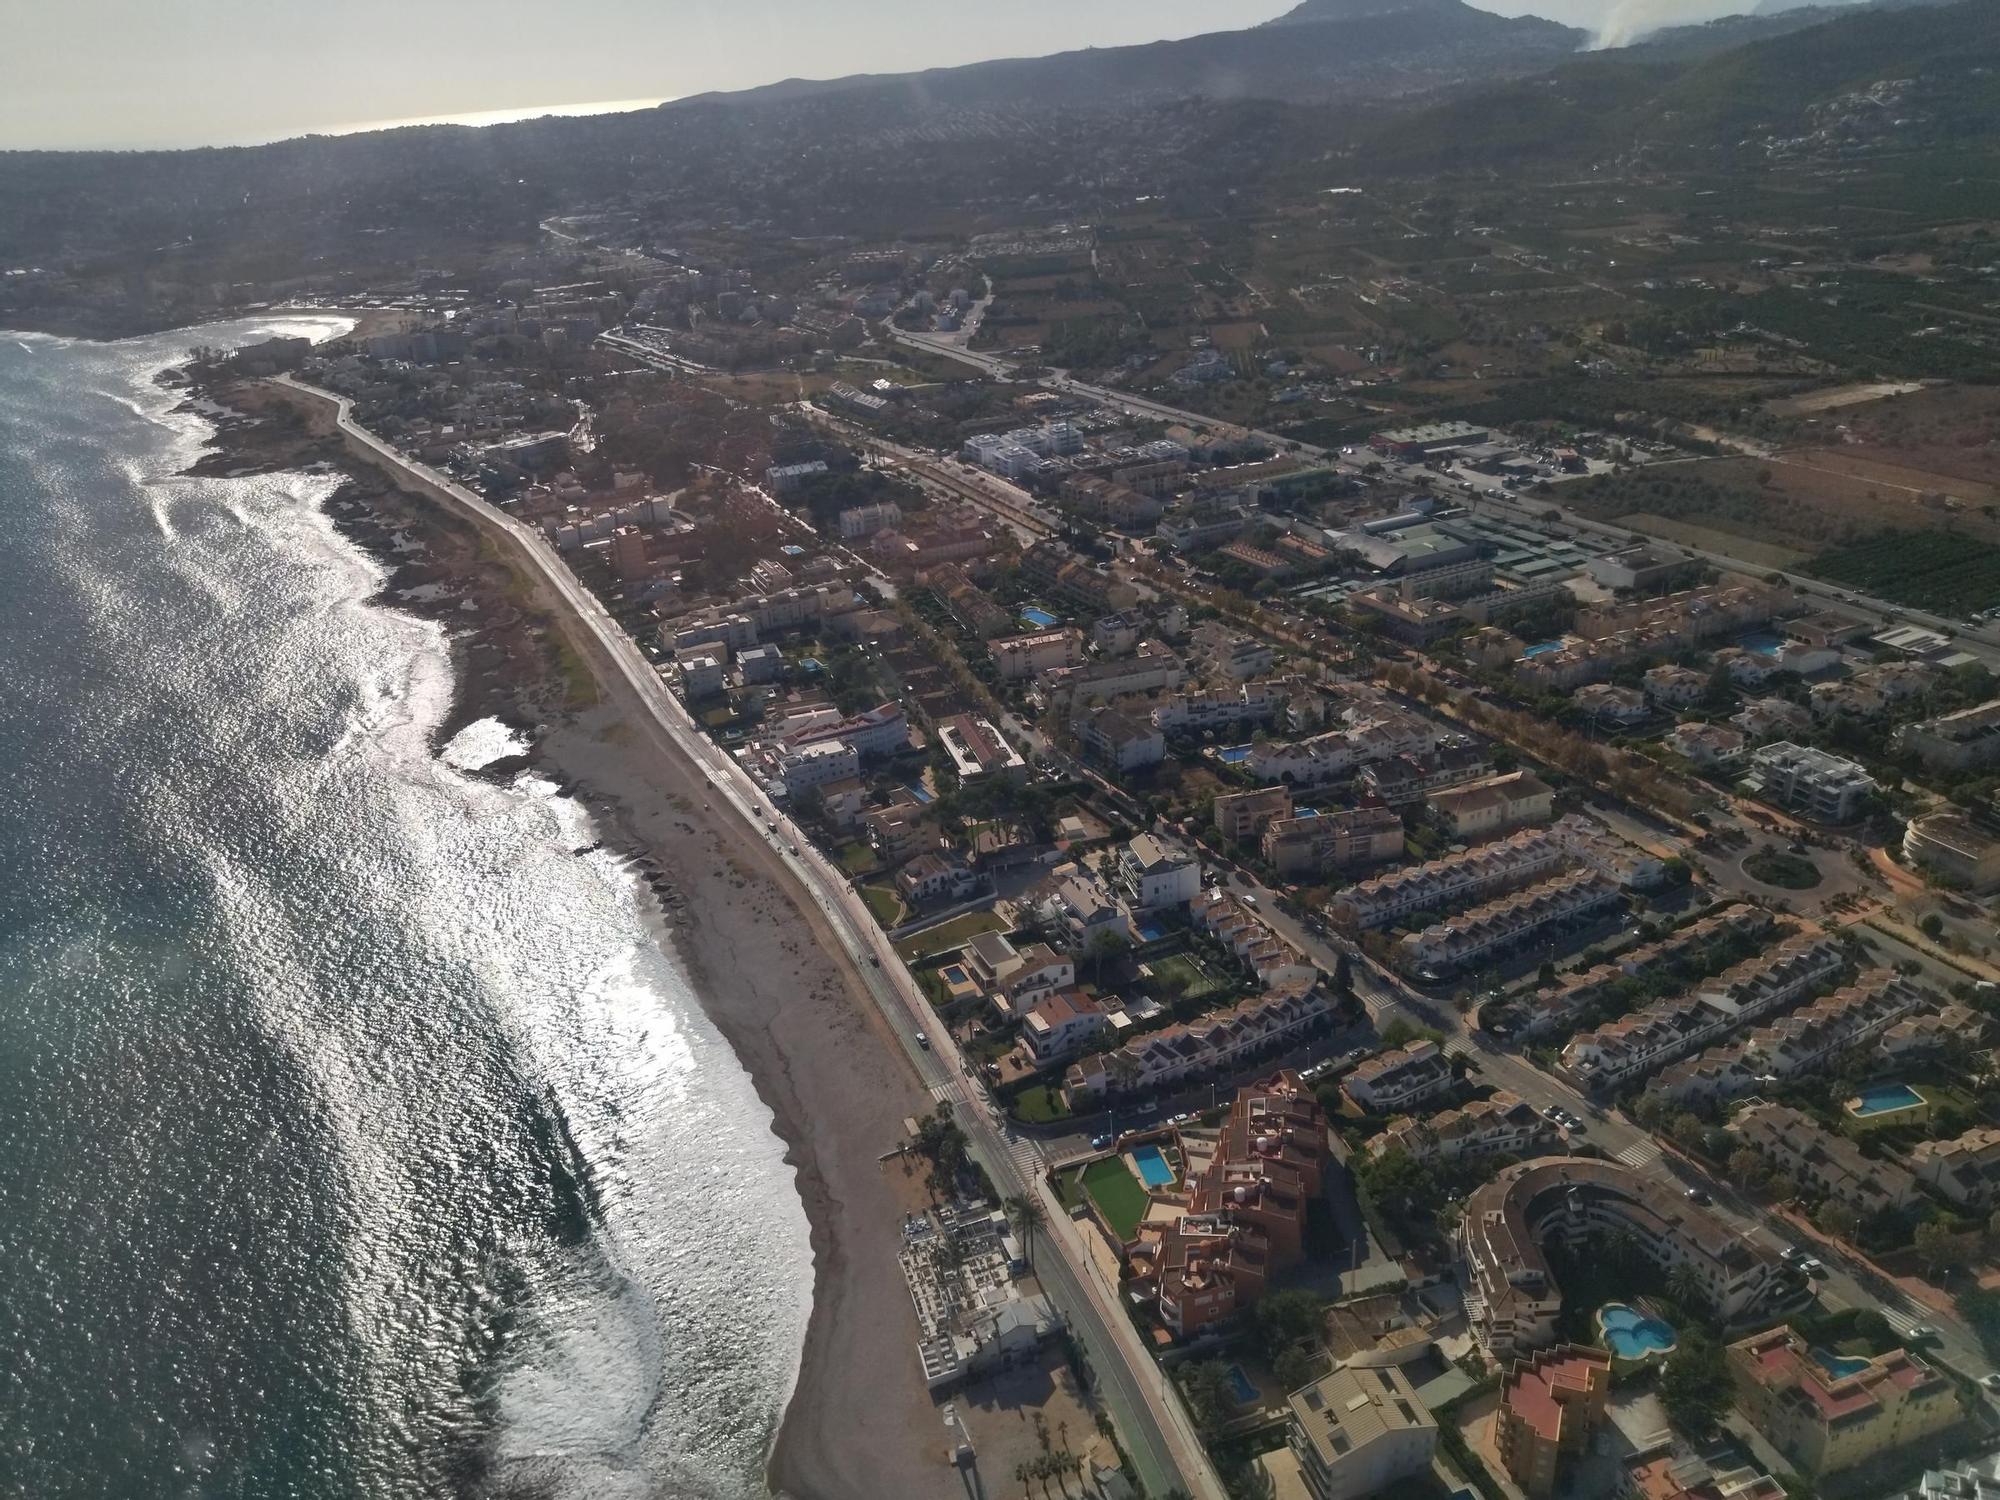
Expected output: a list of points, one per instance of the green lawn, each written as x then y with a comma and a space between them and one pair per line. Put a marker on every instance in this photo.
949, 935
885, 904
858, 859
1197, 983
1117, 1194
1040, 1104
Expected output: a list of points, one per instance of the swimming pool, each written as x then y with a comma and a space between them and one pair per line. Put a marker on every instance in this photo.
1154, 1168
918, 790
1242, 1387
1763, 642
1038, 617
1233, 755
1543, 648
1630, 1334
1884, 1099
1839, 1366
1151, 932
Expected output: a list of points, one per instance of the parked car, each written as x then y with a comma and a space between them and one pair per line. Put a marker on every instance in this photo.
924, 1041
1100, 1143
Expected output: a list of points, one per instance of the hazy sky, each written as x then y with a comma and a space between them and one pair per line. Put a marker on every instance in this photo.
80, 73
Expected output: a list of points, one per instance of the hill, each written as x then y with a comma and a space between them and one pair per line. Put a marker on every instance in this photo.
1855, 81
1321, 49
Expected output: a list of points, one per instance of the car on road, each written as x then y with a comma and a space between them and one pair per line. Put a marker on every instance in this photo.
1814, 1267
924, 1041
1100, 1143
1920, 1331
1696, 1196
1991, 1380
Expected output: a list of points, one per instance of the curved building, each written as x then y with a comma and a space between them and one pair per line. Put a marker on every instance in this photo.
1511, 1296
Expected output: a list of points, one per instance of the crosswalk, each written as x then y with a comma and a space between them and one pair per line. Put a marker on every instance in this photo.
1643, 1154
941, 1092
1027, 1157
1902, 1322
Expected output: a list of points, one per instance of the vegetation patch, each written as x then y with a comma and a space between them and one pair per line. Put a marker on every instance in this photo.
1791, 872
1933, 570
1117, 1194
946, 936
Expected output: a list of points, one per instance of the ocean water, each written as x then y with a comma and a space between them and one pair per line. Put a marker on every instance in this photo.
356, 1138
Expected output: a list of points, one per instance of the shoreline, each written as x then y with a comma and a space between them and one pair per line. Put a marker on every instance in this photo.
768, 973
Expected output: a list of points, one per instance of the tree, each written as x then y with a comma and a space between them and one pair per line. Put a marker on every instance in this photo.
1287, 1318
1027, 1217
1687, 1132
1746, 1167
1939, 1247
1694, 1385
1207, 1389
1295, 1369
1685, 1287
1837, 1219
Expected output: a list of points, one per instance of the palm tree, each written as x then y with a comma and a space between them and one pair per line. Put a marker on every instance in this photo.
1026, 1214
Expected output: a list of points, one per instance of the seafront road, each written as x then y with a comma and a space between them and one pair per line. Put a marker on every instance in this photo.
1151, 1419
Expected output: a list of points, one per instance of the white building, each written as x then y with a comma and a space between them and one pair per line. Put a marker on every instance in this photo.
1156, 874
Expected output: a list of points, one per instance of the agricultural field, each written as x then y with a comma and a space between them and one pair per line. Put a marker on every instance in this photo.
1932, 570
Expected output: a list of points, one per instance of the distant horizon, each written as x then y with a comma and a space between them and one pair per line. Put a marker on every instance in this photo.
156, 82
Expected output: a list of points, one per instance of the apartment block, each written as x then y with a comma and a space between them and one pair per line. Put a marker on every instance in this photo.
1811, 782
1242, 1219
1399, 1079
1313, 843
1512, 1298
1358, 1431
1550, 1406
1826, 1422
1961, 741
1019, 657
1242, 816
1494, 805
1119, 738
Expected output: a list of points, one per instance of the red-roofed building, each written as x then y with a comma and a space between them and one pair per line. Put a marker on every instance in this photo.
1549, 1407
1245, 1212
1828, 1412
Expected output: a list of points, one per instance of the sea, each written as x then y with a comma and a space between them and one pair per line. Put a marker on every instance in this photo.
359, 1136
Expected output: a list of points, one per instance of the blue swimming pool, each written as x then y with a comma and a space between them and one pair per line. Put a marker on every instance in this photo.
1234, 755
1839, 1366
1884, 1099
1151, 932
1543, 648
1040, 618
918, 790
1242, 1387
1763, 642
1154, 1168
1630, 1334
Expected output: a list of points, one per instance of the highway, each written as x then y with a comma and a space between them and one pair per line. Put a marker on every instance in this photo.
1150, 1416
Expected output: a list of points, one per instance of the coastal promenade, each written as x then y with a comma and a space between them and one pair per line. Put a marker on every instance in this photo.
1150, 1416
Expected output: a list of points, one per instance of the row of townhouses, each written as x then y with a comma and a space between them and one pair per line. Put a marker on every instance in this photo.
1628, 1049
1804, 1041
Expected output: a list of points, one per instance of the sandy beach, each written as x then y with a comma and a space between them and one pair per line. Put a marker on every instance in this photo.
771, 976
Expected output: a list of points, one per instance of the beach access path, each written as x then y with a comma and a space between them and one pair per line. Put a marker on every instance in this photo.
1151, 1419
